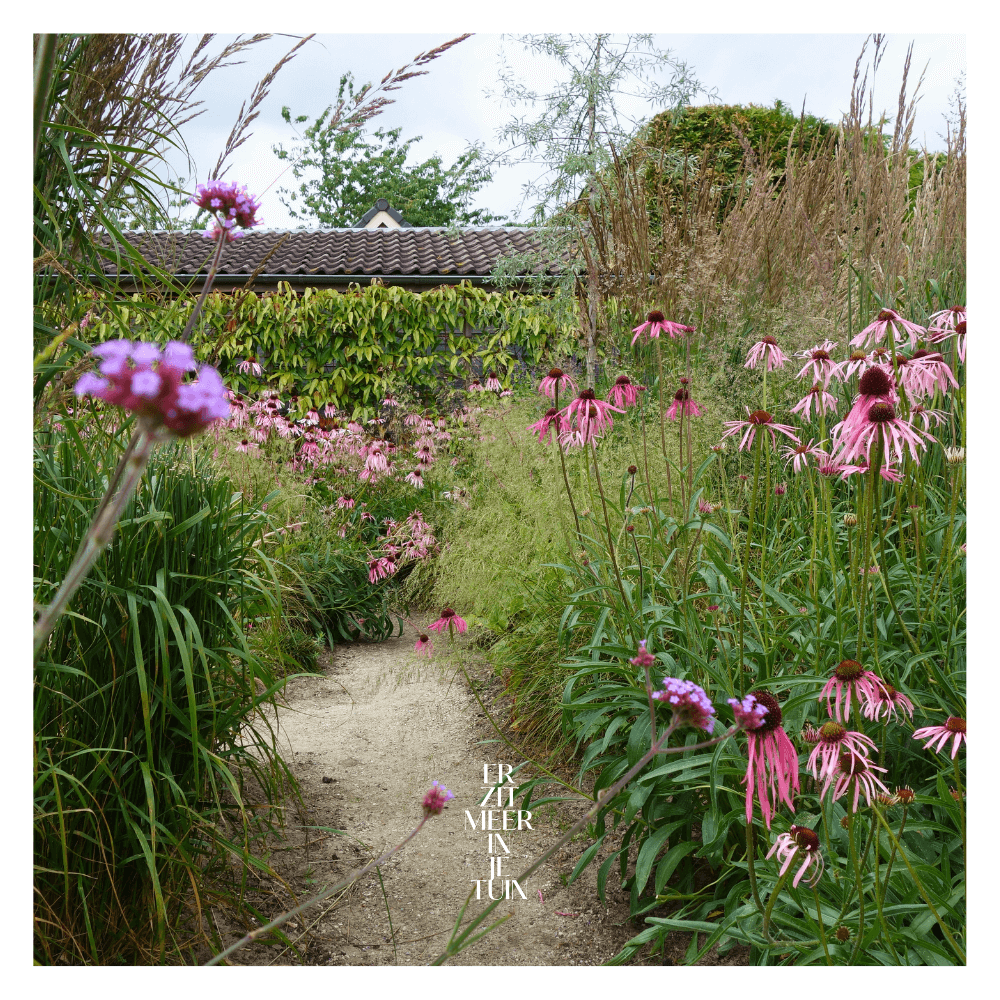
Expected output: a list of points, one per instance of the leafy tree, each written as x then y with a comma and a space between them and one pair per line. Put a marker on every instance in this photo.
355, 168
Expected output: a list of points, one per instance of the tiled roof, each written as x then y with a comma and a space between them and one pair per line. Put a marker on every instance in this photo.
357, 253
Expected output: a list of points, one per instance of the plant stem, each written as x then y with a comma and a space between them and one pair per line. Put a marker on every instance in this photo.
822, 932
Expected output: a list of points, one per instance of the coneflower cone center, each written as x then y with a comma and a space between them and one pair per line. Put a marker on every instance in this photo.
804, 838
555, 373
423, 638
874, 382
760, 417
681, 395
551, 412
821, 355
882, 413
655, 316
955, 725
772, 720
588, 394
832, 732
858, 356
890, 692
623, 380
849, 670
447, 613
960, 328
769, 340
816, 389
851, 763
886, 314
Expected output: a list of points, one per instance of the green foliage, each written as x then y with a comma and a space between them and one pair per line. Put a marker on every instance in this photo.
348, 348
356, 169
146, 698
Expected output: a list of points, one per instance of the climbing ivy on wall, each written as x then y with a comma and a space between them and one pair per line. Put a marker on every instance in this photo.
346, 347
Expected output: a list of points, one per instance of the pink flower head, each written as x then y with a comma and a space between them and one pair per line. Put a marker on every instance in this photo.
888, 319
643, 658
380, 569
543, 426
250, 366
493, 383
954, 728
944, 323
688, 702
624, 392
799, 841
586, 419
825, 402
923, 373
683, 404
656, 324
416, 478
822, 366
149, 381
231, 207
346, 503
797, 454
475, 386
436, 798
748, 713
857, 362
849, 679
834, 740
555, 382
424, 645
755, 420
854, 437
857, 772
448, 620
886, 703
773, 765
766, 349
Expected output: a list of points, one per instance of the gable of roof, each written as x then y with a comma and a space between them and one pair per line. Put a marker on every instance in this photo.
338, 256
382, 216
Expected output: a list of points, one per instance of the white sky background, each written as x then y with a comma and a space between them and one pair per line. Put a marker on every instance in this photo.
449, 108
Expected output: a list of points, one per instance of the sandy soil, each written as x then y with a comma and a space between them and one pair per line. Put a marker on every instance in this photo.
365, 740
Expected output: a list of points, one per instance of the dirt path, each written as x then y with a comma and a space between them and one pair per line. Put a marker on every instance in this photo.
365, 741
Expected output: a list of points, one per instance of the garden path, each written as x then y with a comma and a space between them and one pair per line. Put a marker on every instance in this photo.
365, 739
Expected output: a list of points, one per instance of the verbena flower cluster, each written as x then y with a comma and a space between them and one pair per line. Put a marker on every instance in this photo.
231, 206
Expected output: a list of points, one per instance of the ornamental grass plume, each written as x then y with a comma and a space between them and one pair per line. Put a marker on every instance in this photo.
766, 349
757, 419
889, 319
849, 680
773, 764
799, 840
938, 736
555, 382
834, 740
687, 701
436, 798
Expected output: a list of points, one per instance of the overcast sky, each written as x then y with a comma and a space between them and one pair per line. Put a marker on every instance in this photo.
450, 109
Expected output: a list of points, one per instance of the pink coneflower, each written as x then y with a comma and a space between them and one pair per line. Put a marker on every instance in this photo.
759, 418
424, 645
854, 771
688, 702
897, 436
798, 454
448, 620
380, 569
799, 841
556, 381
493, 383
823, 367
773, 766
475, 386
944, 324
586, 419
436, 798
886, 703
834, 740
817, 396
624, 392
766, 349
954, 727
656, 324
415, 478
780, 489
849, 679
889, 319
923, 373
346, 503
683, 404
250, 366
551, 419
859, 361
246, 446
